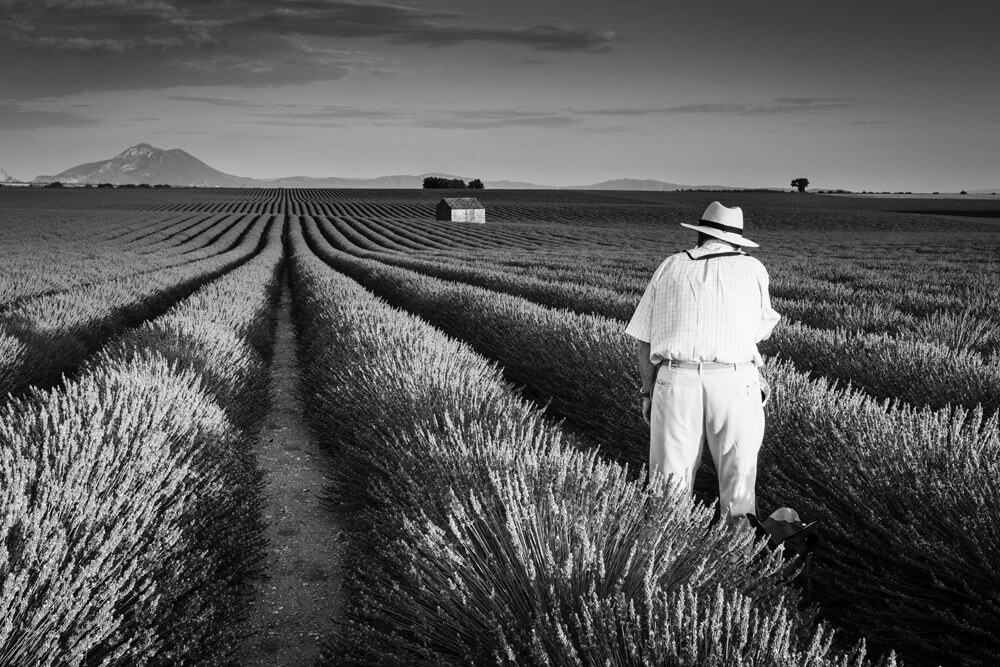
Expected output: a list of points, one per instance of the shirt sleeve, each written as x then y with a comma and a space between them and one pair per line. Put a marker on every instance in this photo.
641, 324
768, 317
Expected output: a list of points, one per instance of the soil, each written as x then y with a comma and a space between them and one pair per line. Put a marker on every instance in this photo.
299, 598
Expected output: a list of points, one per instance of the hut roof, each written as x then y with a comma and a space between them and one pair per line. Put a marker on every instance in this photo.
462, 202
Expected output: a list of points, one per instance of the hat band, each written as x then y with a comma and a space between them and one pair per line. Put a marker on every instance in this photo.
721, 227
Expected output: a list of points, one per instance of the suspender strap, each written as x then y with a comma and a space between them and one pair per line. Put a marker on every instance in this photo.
715, 254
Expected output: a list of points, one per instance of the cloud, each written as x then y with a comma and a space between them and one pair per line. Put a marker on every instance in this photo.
273, 62
69, 46
330, 111
459, 121
612, 129
153, 7
13, 117
115, 46
340, 115
329, 116
408, 25
217, 101
477, 119
297, 114
542, 37
783, 105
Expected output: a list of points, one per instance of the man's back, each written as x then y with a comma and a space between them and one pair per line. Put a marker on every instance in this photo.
708, 304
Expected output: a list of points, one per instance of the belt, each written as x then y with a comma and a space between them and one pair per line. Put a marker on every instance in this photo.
704, 365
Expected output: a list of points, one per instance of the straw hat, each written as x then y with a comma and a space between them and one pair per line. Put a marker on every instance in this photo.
783, 524
723, 222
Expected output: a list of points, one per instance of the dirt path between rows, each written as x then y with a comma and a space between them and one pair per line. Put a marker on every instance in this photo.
298, 601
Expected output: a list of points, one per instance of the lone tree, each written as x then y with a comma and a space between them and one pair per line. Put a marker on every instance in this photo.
476, 184
800, 183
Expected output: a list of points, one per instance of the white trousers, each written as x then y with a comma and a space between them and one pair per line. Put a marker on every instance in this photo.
718, 407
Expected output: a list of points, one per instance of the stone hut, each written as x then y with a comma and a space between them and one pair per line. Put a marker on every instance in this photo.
461, 209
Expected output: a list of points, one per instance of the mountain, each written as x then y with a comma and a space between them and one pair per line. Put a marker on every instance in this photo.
629, 184
7, 178
143, 163
616, 184
647, 184
516, 185
399, 181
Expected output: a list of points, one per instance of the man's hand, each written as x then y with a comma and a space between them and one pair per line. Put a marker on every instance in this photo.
647, 405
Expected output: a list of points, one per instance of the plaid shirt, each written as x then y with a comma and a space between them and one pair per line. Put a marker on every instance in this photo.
716, 309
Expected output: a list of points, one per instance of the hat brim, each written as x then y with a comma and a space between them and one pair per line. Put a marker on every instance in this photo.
728, 237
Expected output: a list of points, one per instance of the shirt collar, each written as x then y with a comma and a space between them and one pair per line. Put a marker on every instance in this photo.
710, 247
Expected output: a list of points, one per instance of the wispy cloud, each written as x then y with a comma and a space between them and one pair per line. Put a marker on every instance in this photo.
339, 115
342, 115
85, 45
124, 44
329, 116
14, 117
411, 25
783, 105
479, 120
218, 101
542, 37
296, 114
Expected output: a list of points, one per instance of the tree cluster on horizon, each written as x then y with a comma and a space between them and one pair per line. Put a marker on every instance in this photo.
438, 182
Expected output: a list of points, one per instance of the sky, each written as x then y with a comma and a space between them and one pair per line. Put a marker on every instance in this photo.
861, 95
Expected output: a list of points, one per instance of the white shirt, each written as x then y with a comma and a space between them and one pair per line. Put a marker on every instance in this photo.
714, 309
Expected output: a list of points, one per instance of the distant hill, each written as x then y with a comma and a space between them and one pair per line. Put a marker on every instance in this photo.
144, 163
629, 184
616, 184
647, 184
404, 181
399, 181
7, 178
516, 185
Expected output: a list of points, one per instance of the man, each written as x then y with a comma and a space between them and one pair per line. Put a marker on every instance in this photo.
697, 326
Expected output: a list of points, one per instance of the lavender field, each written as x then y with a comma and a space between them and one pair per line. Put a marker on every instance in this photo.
474, 391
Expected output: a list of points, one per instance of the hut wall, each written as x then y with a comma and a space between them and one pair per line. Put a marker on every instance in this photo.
443, 211
469, 215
